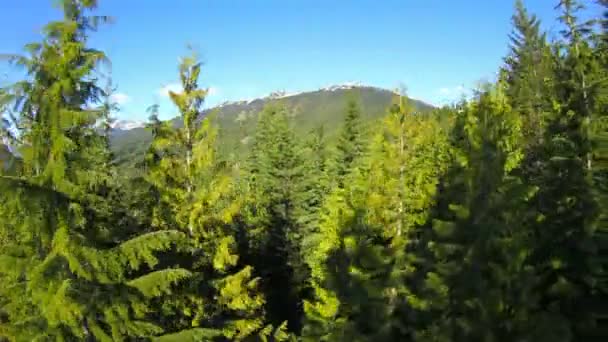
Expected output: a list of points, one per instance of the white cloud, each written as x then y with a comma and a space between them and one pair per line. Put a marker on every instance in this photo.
120, 98
174, 87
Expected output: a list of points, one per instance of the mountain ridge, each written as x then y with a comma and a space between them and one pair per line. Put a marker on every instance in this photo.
126, 124
308, 109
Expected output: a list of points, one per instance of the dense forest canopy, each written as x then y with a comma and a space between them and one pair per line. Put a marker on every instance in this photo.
485, 220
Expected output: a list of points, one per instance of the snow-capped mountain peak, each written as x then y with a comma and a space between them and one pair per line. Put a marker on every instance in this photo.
280, 94
125, 125
342, 86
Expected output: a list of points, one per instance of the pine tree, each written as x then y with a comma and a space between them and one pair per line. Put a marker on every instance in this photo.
565, 207
196, 194
65, 273
600, 190
408, 158
528, 73
351, 143
363, 255
599, 140
273, 231
315, 182
478, 284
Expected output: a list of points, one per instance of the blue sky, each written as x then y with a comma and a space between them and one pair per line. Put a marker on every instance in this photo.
250, 48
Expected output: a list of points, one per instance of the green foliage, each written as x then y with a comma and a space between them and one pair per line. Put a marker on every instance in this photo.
528, 73
195, 334
65, 276
481, 221
361, 257
479, 282
599, 138
273, 231
351, 145
314, 184
567, 210
237, 121
196, 195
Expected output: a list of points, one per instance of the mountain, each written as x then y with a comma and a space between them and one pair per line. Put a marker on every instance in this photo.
126, 125
237, 120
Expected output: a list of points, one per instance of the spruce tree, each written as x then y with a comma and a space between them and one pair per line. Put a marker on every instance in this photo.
351, 142
196, 194
66, 275
409, 156
273, 231
528, 73
565, 207
315, 182
599, 141
478, 284
363, 255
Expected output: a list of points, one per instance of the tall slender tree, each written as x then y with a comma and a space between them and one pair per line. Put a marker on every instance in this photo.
315, 181
599, 140
564, 244
196, 193
529, 73
479, 284
351, 142
363, 254
274, 171
65, 274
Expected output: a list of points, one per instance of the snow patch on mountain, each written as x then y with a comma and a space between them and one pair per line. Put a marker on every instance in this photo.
125, 125
281, 94
342, 86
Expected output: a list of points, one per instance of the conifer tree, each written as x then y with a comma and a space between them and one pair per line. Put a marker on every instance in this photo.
66, 274
408, 158
196, 193
478, 285
351, 144
565, 207
529, 71
599, 141
362, 256
315, 182
273, 231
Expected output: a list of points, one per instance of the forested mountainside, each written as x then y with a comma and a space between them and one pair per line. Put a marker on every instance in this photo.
485, 220
237, 121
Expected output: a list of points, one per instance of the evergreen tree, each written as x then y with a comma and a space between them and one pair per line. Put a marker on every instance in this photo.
599, 140
351, 144
315, 182
478, 284
196, 194
350, 267
529, 72
408, 157
363, 255
566, 210
273, 231
65, 274
600, 125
